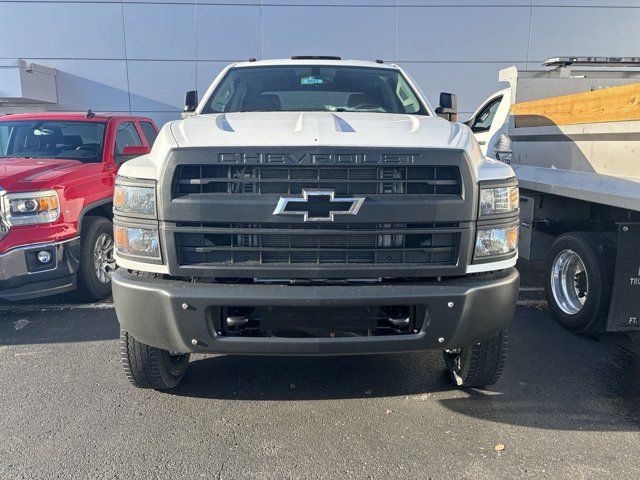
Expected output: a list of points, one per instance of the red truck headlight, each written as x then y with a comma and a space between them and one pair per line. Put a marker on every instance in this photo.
31, 208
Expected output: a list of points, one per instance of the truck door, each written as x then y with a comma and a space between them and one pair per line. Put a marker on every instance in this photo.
488, 120
127, 135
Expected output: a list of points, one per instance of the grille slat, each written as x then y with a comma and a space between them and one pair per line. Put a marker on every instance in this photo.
428, 244
377, 180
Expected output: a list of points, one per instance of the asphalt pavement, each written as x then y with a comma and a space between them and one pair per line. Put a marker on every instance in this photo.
566, 407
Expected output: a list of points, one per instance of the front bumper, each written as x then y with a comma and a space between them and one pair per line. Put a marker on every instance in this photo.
22, 277
151, 310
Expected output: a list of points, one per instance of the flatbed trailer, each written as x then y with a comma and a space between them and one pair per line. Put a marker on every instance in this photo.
572, 136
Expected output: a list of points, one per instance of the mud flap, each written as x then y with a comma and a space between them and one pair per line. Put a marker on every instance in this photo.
624, 312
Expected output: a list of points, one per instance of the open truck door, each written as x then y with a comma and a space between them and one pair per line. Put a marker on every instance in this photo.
487, 121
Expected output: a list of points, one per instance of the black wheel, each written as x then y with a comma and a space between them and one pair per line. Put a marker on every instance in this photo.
478, 365
151, 367
578, 280
97, 262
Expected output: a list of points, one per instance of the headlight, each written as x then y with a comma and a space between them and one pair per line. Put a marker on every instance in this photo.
30, 208
136, 241
496, 241
135, 200
499, 200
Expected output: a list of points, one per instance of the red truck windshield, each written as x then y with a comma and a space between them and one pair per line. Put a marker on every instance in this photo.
52, 139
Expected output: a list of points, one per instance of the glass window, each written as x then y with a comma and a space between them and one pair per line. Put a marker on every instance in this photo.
314, 88
52, 139
482, 122
149, 132
127, 135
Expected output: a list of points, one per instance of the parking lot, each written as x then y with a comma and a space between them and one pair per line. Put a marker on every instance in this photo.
566, 407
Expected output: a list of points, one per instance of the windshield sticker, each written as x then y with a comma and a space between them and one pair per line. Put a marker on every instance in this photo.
311, 81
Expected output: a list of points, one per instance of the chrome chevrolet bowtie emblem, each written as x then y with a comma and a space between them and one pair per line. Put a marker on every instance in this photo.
318, 205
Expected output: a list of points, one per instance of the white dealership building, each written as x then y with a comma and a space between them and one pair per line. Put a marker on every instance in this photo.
140, 56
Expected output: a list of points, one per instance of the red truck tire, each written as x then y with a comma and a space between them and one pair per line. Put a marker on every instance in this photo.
96, 259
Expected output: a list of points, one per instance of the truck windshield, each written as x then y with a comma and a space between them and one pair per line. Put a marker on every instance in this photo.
314, 88
52, 139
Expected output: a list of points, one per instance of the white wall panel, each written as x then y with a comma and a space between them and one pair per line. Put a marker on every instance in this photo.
61, 30
350, 32
586, 3
466, 3
142, 55
190, 2
74, 1
207, 71
219, 2
159, 86
584, 31
97, 84
462, 34
160, 32
159, 117
228, 32
339, 3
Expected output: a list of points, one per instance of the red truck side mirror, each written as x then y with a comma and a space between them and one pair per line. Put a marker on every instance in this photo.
131, 151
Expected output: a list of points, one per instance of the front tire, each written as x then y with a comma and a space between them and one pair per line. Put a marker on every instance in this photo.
578, 279
97, 262
151, 367
478, 365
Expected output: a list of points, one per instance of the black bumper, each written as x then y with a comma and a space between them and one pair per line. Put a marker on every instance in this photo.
459, 312
22, 277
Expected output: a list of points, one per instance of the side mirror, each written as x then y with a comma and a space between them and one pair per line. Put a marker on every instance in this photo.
190, 101
448, 108
131, 151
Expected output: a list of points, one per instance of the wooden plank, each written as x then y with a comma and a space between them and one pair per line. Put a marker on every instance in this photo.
614, 104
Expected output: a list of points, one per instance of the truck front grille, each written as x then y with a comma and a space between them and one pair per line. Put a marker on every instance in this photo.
344, 180
244, 244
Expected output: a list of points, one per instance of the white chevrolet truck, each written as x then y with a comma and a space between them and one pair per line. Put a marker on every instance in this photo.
315, 206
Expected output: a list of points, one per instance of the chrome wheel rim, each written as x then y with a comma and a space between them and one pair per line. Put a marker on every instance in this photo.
103, 260
569, 282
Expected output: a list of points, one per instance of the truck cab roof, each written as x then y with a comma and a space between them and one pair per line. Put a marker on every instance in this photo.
314, 61
75, 116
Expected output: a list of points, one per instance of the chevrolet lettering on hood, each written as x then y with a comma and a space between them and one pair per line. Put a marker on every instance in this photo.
323, 158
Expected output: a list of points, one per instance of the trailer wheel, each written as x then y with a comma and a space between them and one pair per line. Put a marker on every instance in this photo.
478, 365
578, 281
151, 367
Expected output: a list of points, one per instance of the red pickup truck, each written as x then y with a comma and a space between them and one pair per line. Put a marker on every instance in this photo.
57, 173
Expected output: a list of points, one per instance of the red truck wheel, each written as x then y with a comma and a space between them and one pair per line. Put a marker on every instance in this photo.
97, 263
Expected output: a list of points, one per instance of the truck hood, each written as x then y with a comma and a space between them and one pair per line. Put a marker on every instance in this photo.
360, 129
318, 129
27, 174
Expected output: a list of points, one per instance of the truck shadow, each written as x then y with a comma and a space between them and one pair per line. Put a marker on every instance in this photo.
554, 380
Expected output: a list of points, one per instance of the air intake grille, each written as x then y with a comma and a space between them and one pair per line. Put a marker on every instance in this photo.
226, 244
344, 180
